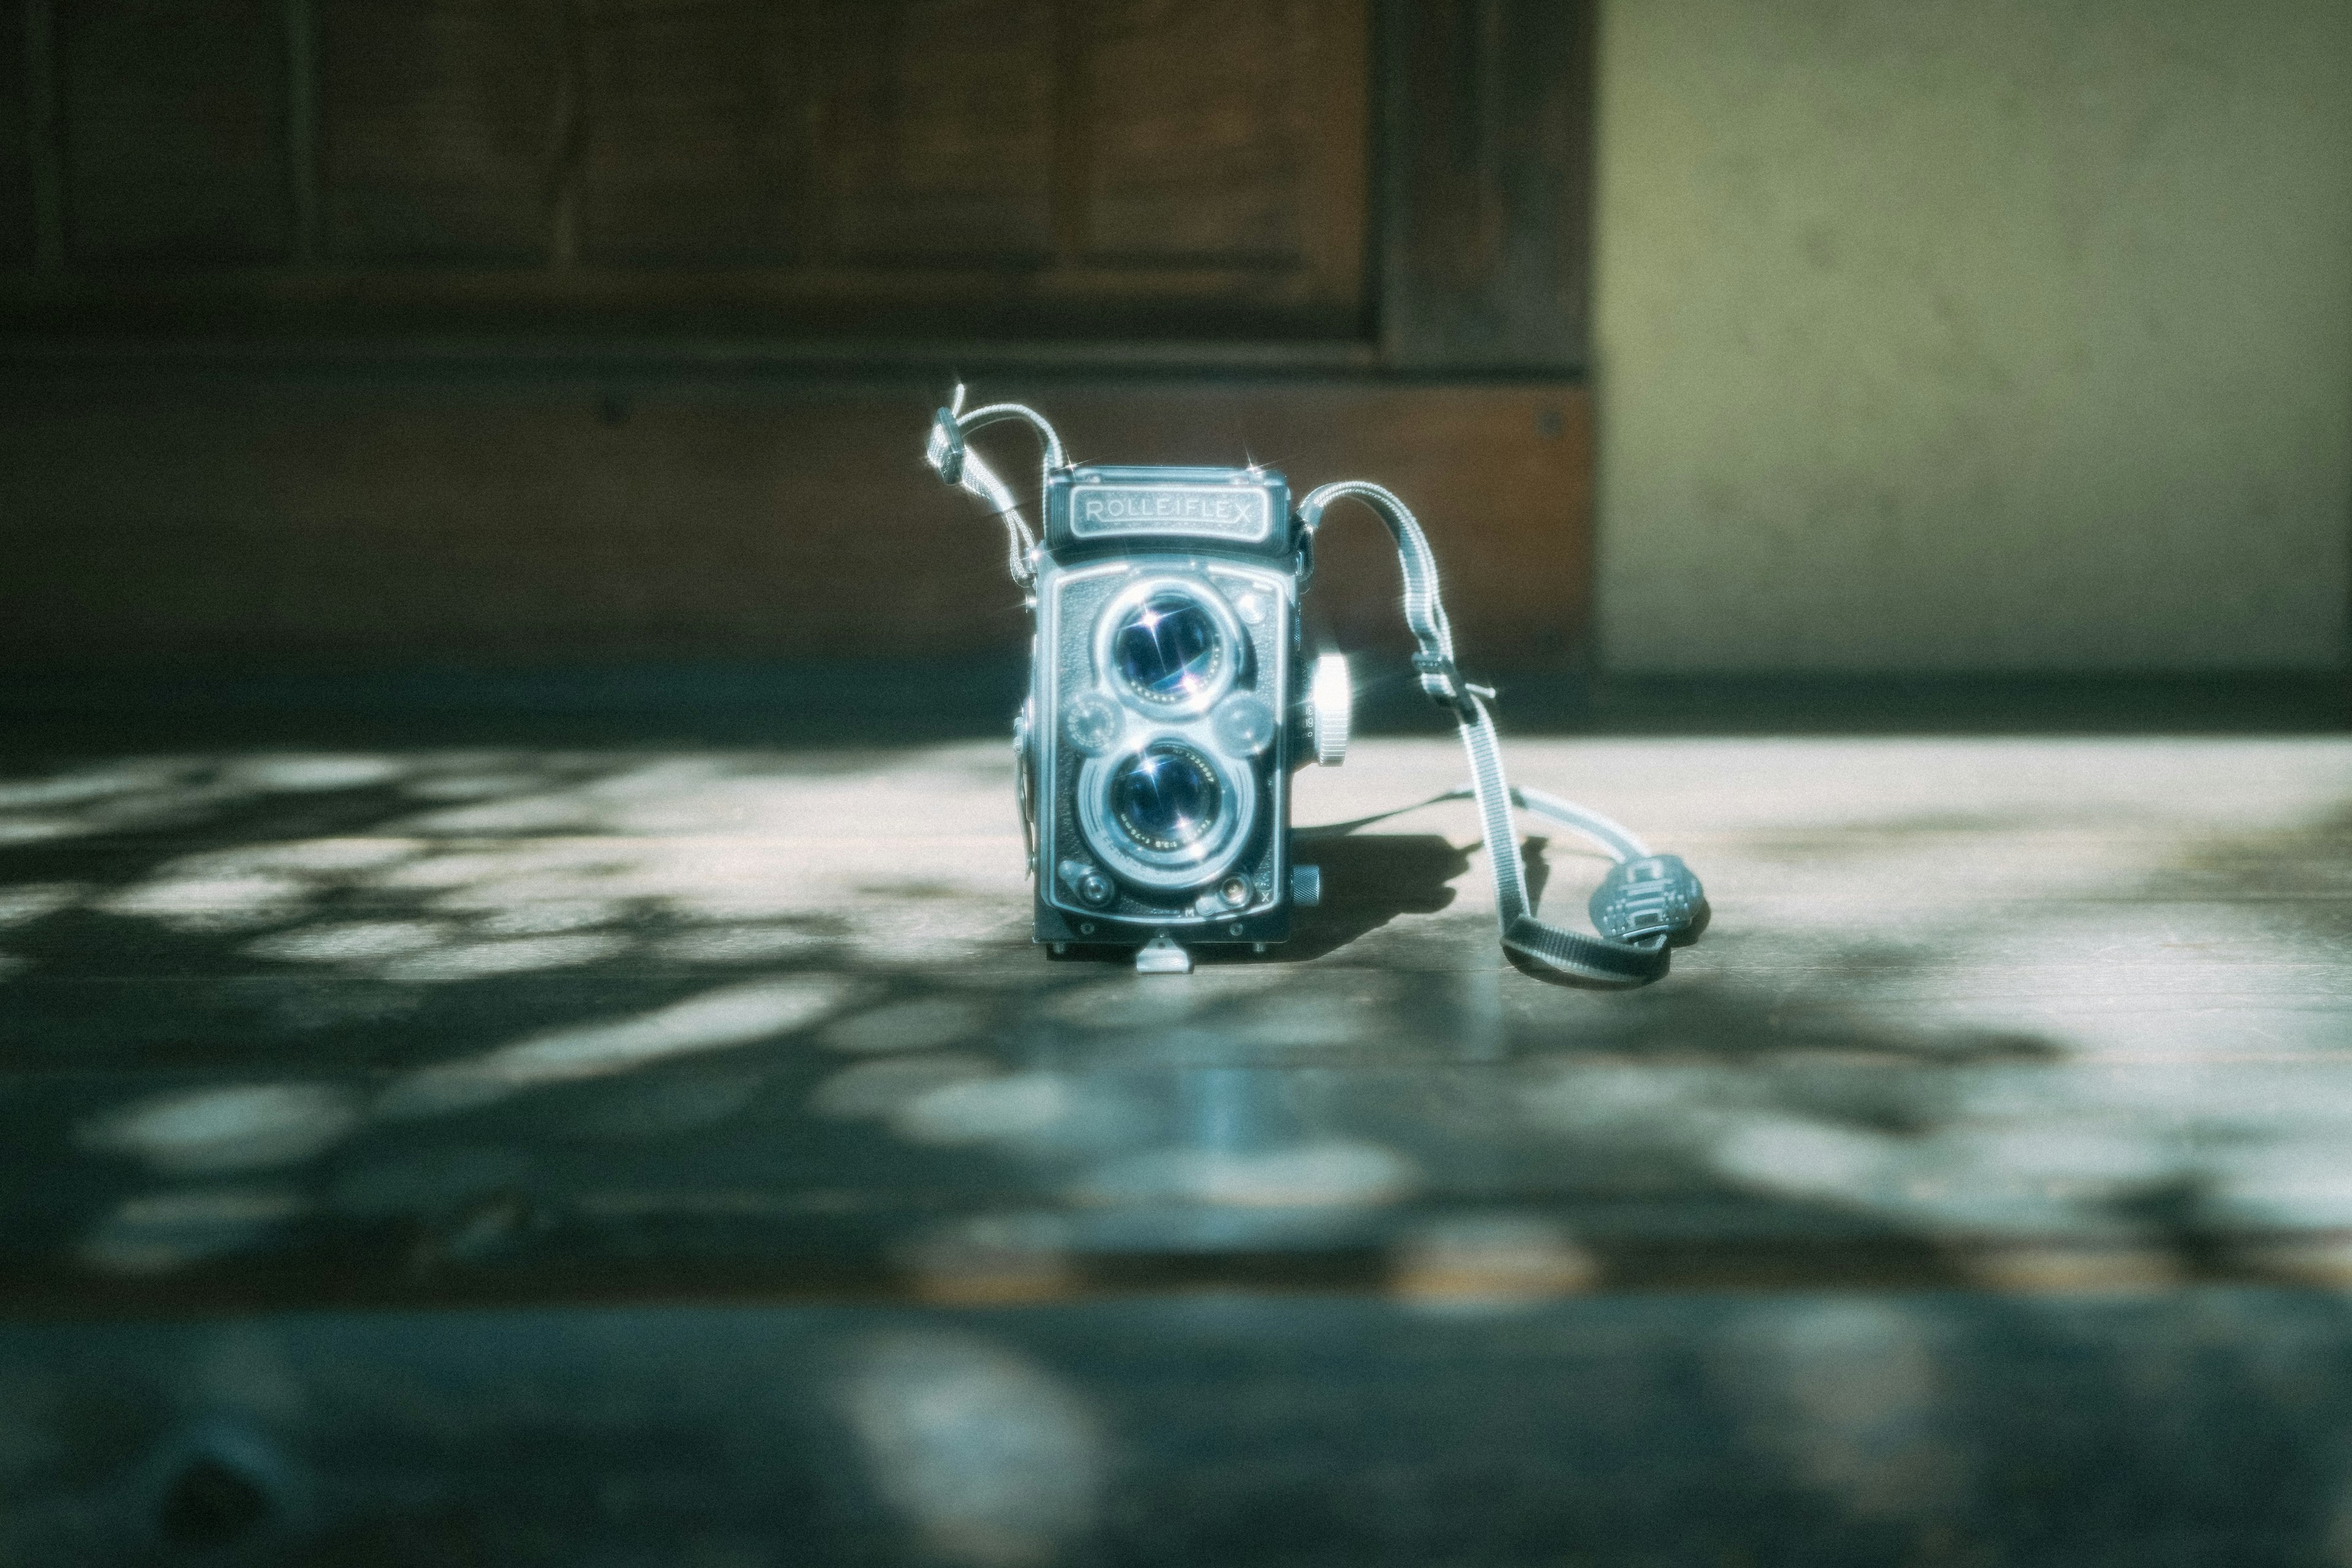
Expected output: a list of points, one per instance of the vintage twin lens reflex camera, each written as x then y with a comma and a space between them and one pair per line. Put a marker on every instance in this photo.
1168, 707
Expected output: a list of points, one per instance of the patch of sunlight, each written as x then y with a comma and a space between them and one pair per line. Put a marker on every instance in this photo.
716, 1020
551, 916
258, 884
1804, 1158
543, 813
34, 829
1333, 1174
694, 895
1982, 1177
1490, 1262
737, 944
200, 903
309, 774
325, 858
85, 784
525, 886
934, 934
164, 1231
980, 1110
471, 787
2302, 1182
917, 1026
1609, 1098
990, 1459
450, 868
351, 942
19, 795
2086, 1152
510, 955
245, 1128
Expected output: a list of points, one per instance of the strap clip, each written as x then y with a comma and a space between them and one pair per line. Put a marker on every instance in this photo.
1457, 692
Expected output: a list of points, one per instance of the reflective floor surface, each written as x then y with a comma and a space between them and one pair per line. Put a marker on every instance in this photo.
622, 1154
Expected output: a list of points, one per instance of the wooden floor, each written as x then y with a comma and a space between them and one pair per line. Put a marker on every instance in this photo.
628, 1153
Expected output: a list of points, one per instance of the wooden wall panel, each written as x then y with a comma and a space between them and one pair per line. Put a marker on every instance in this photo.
443, 126
694, 140
1226, 131
175, 130
940, 130
449, 523
16, 134
1487, 163
901, 169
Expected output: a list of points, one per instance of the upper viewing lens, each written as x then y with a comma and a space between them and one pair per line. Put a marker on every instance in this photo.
1166, 796
1167, 649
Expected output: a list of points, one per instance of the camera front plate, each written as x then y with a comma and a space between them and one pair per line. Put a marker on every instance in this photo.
1161, 690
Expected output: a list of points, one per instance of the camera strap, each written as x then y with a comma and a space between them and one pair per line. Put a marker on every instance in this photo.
959, 466
1646, 905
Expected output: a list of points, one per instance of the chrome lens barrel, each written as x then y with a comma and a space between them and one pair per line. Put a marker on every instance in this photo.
1170, 645
1166, 813
1166, 796
1167, 649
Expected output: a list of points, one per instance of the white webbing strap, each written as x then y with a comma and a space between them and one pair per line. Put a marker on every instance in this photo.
1585, 955
957, 465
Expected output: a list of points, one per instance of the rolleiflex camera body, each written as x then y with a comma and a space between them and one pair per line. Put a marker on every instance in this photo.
1169, 705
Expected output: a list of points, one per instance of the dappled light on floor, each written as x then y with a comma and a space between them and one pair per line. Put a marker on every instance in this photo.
993, 1460
1959, 993
1996, 1055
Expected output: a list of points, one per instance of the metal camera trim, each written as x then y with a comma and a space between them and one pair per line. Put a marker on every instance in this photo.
1234, 643
1171, 870
1072, 591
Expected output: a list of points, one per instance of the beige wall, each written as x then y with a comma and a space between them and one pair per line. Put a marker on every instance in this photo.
1975, 334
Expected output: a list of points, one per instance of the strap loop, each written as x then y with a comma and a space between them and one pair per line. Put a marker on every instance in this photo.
958, 465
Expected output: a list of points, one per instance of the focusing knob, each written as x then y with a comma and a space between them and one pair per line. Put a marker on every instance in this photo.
1331, 708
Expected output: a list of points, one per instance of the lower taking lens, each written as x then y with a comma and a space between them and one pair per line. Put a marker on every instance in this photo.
1166, 796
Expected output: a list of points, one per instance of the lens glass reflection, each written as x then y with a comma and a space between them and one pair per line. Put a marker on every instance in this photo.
1166, 796
1168, 648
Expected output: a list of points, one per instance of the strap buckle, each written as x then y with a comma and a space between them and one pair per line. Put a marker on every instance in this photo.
1459, 691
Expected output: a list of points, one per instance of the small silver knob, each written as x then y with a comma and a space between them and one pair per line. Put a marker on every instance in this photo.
1331, 708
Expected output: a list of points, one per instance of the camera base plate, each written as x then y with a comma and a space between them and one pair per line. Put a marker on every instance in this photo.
1108, 932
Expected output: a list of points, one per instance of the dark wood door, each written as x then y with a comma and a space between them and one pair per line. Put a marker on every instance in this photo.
315, 314
1049, 168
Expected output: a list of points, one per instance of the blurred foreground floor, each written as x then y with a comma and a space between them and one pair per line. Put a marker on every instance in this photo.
634, 1155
